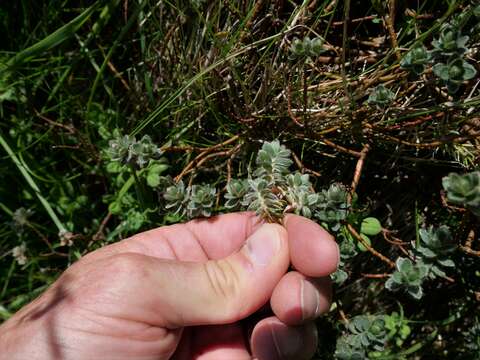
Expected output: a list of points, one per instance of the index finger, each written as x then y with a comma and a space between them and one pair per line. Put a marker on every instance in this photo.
313, 251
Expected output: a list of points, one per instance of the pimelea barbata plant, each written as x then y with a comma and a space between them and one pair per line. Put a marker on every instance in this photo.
381, 96
348, 250
271, 190
201, 201
435, 247
366, 333
454, 73
416, 60
274, 190
450, 42
332, 206
464, 190
236, 191
409, 277
191, 201
127, 150
306, 47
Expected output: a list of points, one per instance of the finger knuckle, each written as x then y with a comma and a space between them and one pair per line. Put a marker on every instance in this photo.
126, 264
223, 279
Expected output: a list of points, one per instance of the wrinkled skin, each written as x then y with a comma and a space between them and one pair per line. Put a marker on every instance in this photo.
188, 291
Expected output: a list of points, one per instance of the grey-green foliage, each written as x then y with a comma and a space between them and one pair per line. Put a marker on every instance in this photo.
408, 276
273, 162
176, 197
435, 248
271, 190
332, 206
300, 194
381, 96
365, 333
416, 59
464, 190
201, 201
450, 42
454, 73
128, 150
20, 219
190, 201
348, 250
306, 47
349, 349
236, 191
448, 53
262, 200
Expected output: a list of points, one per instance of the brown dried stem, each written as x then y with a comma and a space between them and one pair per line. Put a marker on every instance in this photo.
374, 252
204, 153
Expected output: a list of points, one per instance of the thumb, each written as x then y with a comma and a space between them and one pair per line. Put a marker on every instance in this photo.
175, 294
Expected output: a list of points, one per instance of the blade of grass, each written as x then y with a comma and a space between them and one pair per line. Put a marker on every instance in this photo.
155, 113
54, 39
117, 42
61, 228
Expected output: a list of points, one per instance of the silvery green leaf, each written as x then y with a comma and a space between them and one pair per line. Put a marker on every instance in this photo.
441, 70
236, 191
404, 265
446, 262
416, 292
437, 271
469, 71
201, 201
397, 277
262, 200
176, 197
273, 162
391, 284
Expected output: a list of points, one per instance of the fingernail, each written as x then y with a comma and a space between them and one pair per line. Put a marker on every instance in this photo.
273, 340
309, 300
263, 244
287, 342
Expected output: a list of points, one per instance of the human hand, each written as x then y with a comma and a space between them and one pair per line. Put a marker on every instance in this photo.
181, 291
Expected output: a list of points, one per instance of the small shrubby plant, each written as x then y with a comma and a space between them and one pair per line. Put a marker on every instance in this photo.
448, 54
127, 150
306, 47
464, 190
365, 333
416, 60
271, 190
408, 276
381, 96
435, 248
454, 73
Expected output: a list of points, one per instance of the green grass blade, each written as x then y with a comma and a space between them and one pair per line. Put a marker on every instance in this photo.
156, 112
33, 185
54, 39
